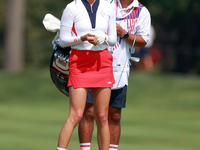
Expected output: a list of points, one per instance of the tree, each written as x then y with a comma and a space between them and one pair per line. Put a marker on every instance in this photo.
13, 59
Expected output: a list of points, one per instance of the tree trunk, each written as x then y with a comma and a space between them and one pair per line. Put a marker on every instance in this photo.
14, 39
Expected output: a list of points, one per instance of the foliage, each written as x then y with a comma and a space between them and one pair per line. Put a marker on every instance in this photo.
2, 23
38, 45
176, 24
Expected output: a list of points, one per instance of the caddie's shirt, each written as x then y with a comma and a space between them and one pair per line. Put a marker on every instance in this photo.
136, 20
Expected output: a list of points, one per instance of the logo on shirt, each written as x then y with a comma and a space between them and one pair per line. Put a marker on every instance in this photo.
102, 13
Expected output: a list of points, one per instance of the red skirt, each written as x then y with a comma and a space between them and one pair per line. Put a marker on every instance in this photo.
90, 69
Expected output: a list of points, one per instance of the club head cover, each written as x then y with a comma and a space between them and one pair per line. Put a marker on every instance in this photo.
51, 23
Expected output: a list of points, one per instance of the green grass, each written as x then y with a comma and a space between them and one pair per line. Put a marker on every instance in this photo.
162, 113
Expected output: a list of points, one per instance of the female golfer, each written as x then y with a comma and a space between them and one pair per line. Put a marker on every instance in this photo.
89, 27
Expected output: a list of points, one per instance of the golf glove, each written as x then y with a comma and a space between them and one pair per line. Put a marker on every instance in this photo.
101, 38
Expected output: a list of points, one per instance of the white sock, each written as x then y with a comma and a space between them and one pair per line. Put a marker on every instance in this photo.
85, 146
113, 147
58, 148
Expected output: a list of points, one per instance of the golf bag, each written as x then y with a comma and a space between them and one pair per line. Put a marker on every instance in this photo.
59, 69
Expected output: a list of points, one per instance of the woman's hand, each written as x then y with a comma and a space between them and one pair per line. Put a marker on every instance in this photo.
90, 38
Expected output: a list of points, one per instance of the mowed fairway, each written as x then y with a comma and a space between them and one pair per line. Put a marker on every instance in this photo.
162, 113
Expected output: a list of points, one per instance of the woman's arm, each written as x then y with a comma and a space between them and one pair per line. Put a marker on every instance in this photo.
112, 33
66, 31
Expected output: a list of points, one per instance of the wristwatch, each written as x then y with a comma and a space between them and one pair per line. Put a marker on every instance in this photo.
126, 35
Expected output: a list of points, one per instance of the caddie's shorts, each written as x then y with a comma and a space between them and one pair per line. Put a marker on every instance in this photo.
117, 99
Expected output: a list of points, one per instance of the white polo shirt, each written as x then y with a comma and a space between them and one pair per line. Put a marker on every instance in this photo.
76, 18
136, 20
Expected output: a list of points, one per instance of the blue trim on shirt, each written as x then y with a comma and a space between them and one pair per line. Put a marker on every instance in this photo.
91, 11
134, 14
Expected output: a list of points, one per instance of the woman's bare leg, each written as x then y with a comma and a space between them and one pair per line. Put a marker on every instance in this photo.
101, 98
77, 106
